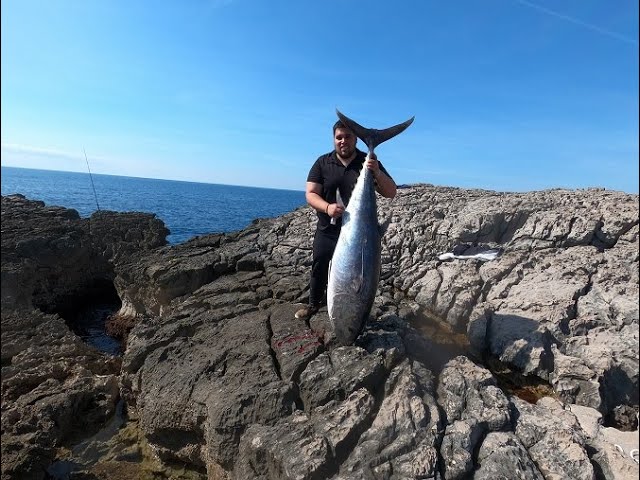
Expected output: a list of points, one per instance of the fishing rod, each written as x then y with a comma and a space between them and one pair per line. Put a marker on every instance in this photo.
95, 195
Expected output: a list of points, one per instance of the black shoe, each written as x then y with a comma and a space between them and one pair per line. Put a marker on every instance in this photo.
305, 313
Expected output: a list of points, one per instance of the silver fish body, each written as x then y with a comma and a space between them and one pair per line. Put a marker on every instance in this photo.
355, 267
354, 272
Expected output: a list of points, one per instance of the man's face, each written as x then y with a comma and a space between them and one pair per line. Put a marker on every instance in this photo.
344, 141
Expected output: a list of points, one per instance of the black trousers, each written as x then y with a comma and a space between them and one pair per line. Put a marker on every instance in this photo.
324, 244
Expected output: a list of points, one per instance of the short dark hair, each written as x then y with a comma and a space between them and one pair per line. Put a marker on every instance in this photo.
338, 125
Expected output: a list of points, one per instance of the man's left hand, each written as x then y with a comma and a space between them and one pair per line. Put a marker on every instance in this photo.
372, 164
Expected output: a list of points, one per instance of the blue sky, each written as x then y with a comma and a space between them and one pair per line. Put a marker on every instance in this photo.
508, 95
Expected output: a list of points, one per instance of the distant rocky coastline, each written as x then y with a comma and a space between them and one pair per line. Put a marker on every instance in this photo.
219, 378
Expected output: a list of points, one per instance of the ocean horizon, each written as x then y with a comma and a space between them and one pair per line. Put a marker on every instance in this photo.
187, 208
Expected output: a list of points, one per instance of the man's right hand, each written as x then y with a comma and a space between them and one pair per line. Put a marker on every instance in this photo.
335, 210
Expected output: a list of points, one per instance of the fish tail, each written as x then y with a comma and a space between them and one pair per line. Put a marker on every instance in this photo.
373, 137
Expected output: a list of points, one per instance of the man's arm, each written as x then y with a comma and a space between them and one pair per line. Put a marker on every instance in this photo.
314, 198
385, 185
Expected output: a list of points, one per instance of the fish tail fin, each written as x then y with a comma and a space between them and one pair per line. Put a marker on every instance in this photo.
373, 137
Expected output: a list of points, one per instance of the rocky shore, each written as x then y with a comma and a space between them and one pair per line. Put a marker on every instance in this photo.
220, 379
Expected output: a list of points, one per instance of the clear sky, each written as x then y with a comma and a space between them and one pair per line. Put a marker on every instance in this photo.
508, 95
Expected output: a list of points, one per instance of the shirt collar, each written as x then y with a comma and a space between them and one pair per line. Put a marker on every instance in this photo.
334, 158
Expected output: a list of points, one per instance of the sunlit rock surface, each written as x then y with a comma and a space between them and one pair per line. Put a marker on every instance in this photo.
219, 375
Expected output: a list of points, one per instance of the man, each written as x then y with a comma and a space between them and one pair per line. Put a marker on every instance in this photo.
338, 170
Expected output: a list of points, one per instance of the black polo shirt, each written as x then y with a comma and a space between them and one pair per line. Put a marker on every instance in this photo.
329, 172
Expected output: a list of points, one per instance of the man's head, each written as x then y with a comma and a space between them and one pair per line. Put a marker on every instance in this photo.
344, 141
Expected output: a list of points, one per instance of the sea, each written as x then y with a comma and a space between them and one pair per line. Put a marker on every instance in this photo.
188, 209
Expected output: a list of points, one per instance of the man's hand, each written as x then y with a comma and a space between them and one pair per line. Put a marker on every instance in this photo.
385, 185
335, 210
372, 164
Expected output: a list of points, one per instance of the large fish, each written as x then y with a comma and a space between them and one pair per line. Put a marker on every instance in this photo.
354, 271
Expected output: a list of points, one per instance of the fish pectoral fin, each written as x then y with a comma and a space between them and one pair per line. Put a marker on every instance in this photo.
356, 285
360, 280
339, 200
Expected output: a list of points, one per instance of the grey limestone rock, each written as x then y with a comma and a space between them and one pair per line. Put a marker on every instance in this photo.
220, 375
